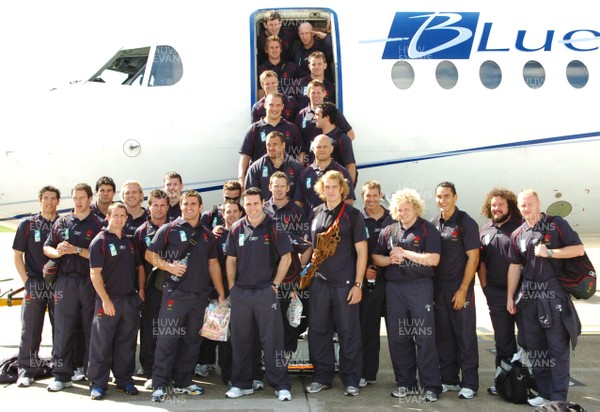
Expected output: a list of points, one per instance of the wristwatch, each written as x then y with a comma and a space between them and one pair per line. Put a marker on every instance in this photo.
79, 250
275, 285
550, 252
358, 285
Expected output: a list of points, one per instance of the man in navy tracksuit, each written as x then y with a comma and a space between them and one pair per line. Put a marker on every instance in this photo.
547, 314
372, 305
336, 289
500, 206
275, 160
158, 206
29, 259
114, 270
455, 322
409, 250
74, 294
253, 245
185, 296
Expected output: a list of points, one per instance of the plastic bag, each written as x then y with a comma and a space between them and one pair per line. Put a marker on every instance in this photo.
216, 321
294, 312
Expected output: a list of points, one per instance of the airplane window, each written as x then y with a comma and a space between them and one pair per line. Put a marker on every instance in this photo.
123, 67
534, 74
403, 75
446, 74
577, 74
490, 74
167, 68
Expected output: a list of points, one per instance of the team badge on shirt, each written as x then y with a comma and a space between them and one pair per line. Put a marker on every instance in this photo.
170, 304
100, 313
417, 241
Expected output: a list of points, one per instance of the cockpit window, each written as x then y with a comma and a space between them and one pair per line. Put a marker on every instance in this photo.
124, 68
128, 66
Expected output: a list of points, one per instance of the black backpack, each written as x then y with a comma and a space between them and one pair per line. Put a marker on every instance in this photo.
9, 369
514, 382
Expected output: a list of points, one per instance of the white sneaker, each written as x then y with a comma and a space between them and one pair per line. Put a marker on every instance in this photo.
193, 389
235, 392
430, 396
363, 382
466, 393
537, 401
24, 382
351, 391
403, 392
148, 384
56, 386
283, 395
158, 395
78, 375
257, 385
450, 388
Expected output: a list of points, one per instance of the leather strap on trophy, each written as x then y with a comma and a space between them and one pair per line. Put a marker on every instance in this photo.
326, 246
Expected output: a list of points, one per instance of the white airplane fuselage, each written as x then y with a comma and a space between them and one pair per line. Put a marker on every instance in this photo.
520, 134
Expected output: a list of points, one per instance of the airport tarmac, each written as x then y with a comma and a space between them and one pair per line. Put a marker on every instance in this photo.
585, 372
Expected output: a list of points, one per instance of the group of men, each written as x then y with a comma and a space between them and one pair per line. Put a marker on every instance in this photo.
119, 269
124, 269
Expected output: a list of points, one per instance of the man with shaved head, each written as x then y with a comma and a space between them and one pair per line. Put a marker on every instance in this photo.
549, 319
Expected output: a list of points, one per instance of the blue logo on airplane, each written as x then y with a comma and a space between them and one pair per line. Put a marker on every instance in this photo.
431, 35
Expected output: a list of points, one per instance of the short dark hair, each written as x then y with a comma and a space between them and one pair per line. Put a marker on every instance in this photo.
232, 185
190, 193
116, 205
83, 186
157, 194
105, 180
48, 188
173, 175
253, 191
271, 15
330, 110
231, 202
449, 185
275, 133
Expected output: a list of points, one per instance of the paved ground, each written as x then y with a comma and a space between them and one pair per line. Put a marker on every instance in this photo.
585, 373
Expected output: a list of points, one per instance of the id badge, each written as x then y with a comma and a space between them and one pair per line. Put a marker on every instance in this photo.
37, 236
182, 236
241, 239
113, 249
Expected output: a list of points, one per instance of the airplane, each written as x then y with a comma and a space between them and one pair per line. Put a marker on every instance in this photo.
477, 93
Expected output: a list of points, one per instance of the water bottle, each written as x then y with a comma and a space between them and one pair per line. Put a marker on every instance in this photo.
371, 282
183, 262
